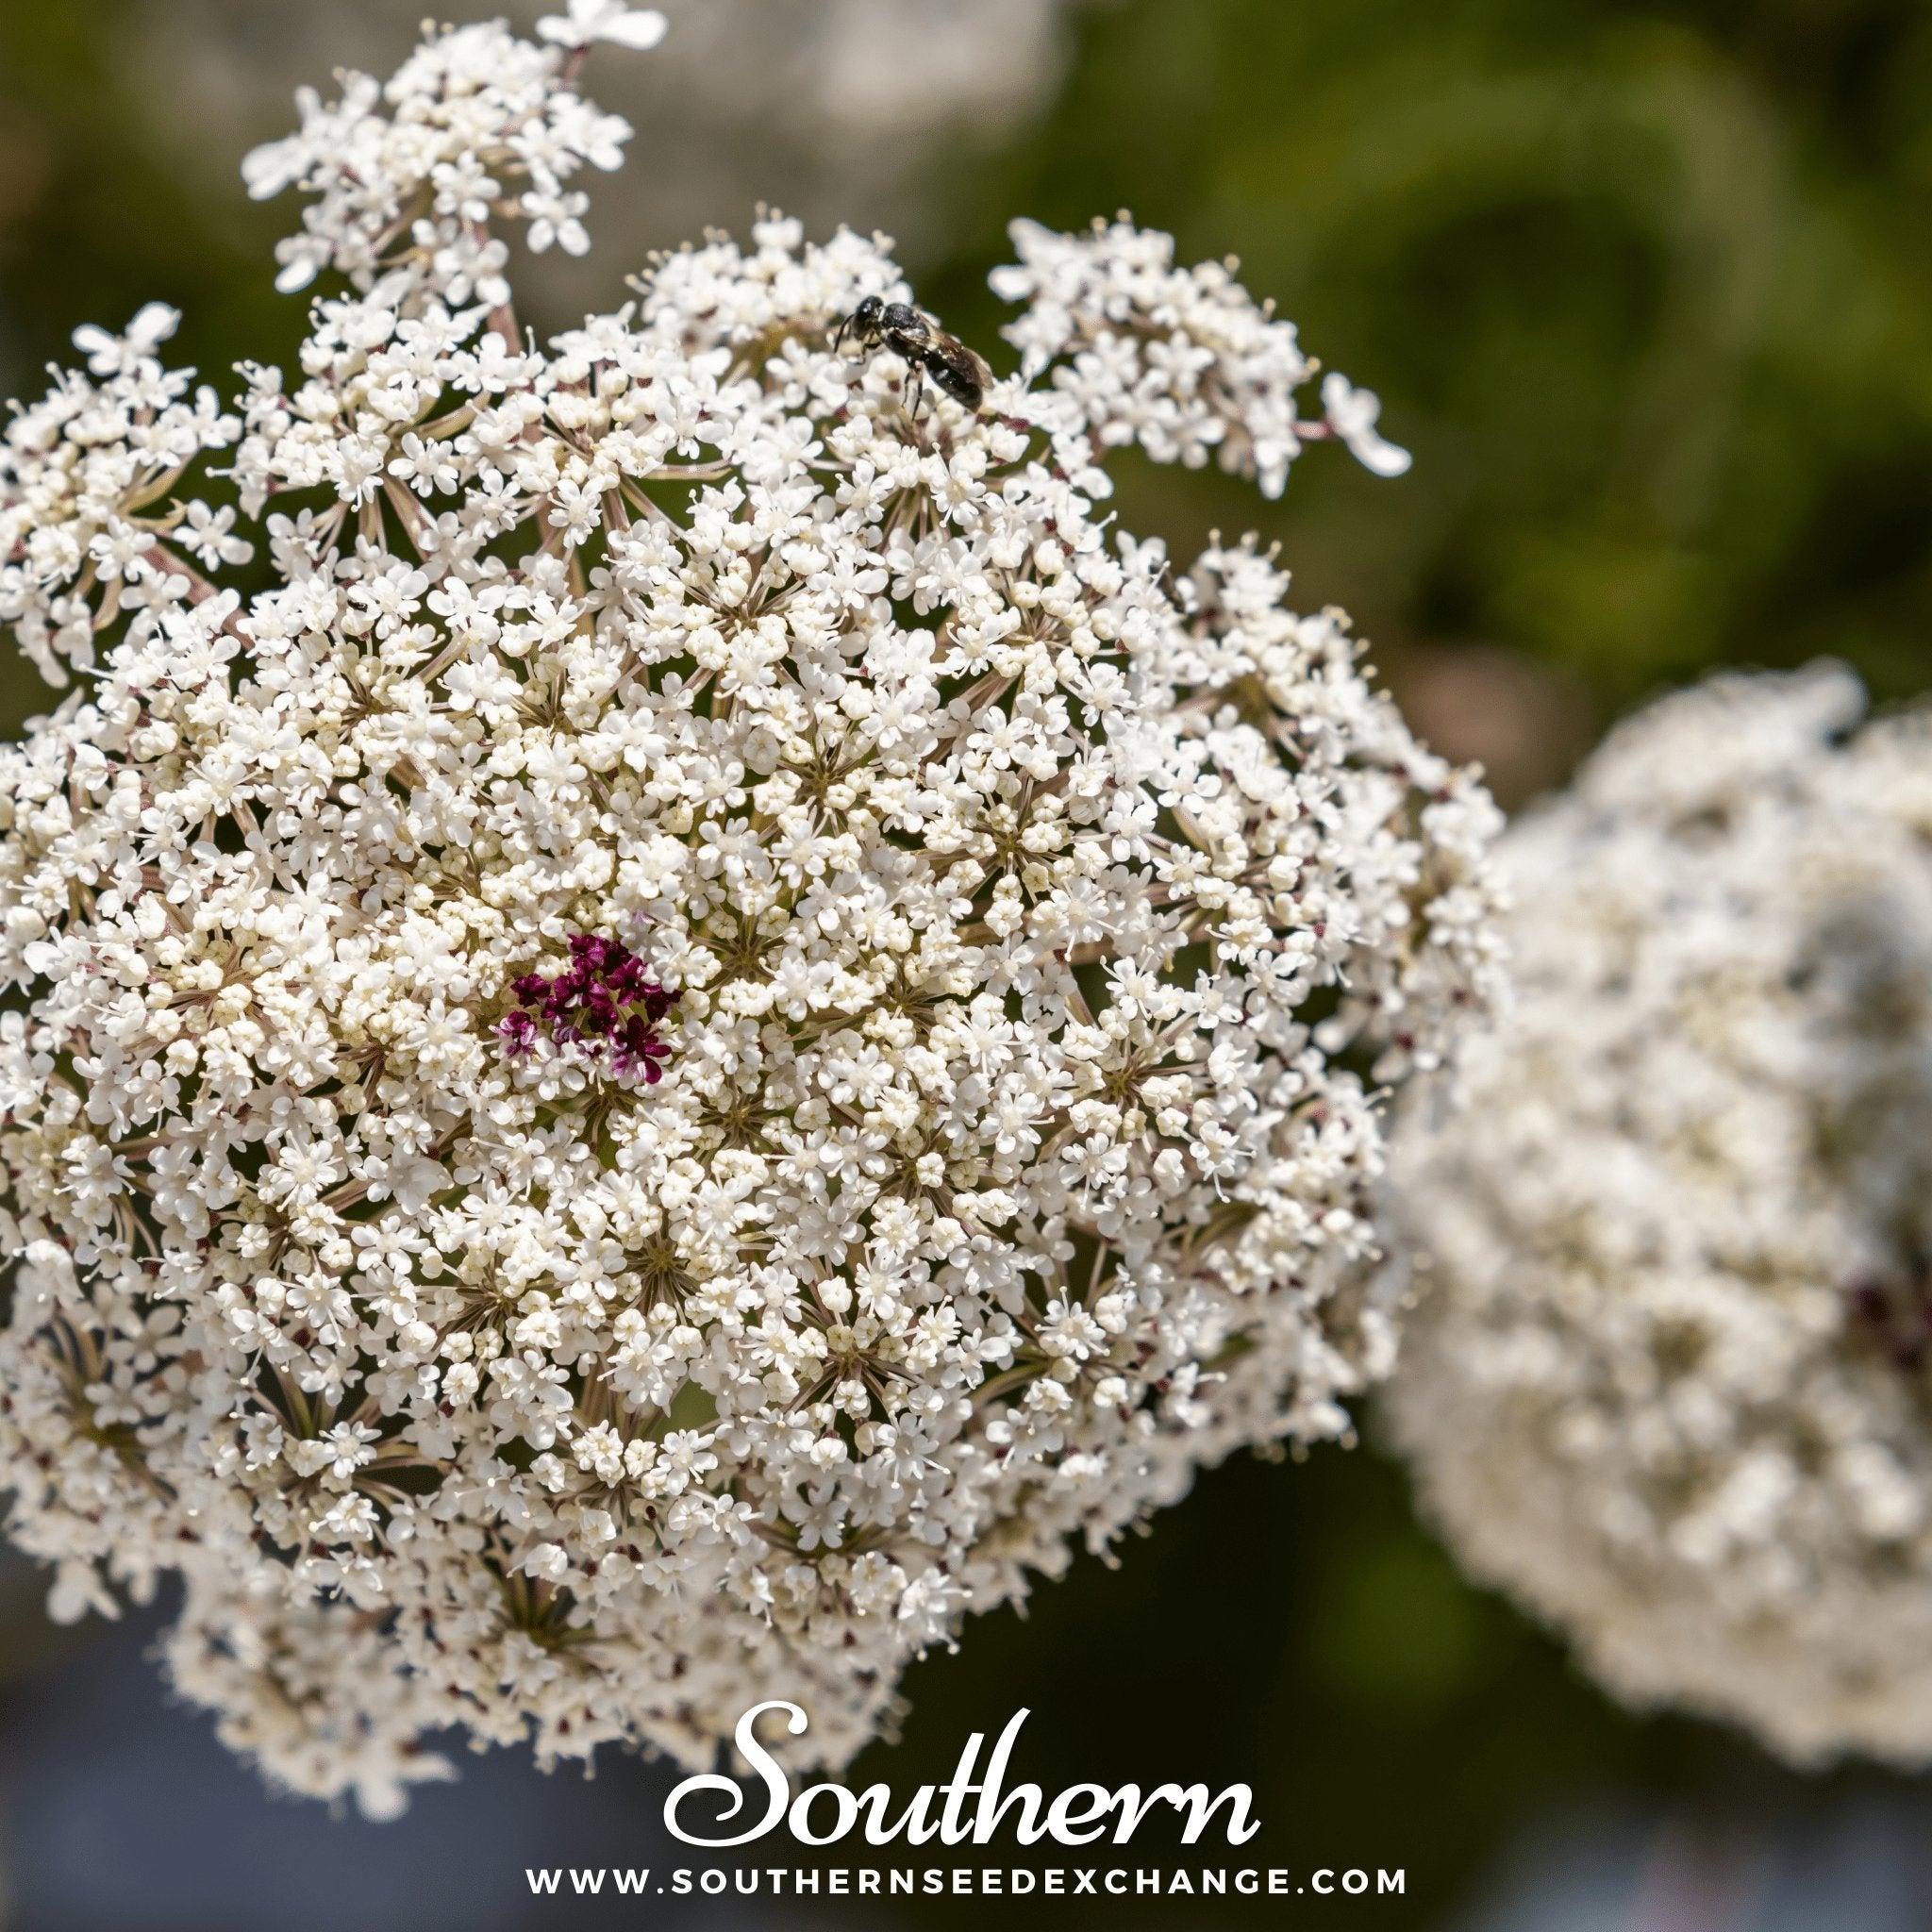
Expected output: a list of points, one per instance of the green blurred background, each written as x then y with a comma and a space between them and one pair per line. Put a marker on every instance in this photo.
1647, 291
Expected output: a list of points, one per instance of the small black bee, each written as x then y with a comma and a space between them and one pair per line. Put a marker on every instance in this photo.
925, 346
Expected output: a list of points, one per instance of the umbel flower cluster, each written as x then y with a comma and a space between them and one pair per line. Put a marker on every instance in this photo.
718, 1020
1671, 1380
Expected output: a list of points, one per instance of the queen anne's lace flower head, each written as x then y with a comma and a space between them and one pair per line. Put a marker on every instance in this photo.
718, 1021
1668, 1380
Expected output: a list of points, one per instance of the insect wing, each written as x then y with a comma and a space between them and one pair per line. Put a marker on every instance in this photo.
958, 369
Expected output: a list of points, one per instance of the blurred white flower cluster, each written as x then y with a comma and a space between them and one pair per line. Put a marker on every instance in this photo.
718, 1020
1671, 1380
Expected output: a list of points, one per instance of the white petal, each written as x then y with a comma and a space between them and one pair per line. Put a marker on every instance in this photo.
155, 323
273, 166
1378, 453
1352, 414
639, 29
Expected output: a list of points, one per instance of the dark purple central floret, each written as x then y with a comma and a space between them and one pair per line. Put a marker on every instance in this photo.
604, 998
1893, 1311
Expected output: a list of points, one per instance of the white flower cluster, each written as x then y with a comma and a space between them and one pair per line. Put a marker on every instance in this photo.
312, 1692
1182, 361
76, 473
715, 1023
408, 195
861, 106
1669, 1381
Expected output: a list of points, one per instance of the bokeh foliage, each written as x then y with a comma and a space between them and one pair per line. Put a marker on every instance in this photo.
1646, 290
